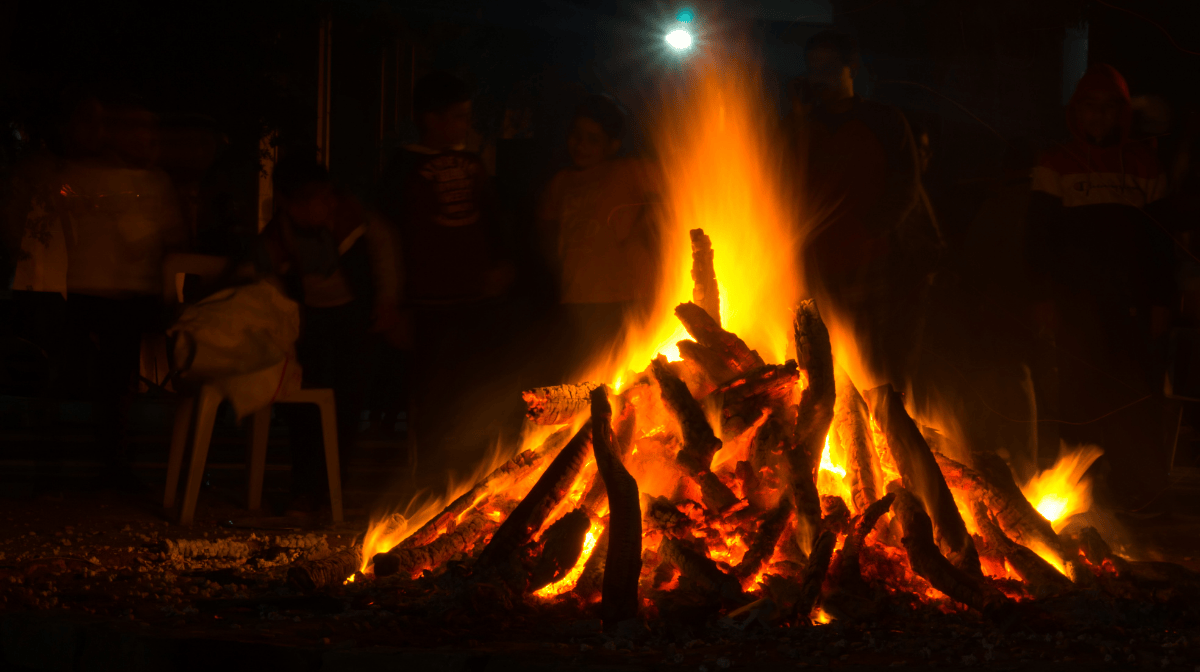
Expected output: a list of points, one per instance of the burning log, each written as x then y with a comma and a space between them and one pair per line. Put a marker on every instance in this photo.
835, 514
849, 571
706, 363
850, 420
921, 476
530, 514
814, 574
1040, 577
744, 399
767, 450
558, 404
413, 561
705, 292
993, 484
763, 546
1096, 550
709, 334
815, 413
623, 561
928, 562
699, 442
702, 570
516, 467
561, 550
662, 515
329, 571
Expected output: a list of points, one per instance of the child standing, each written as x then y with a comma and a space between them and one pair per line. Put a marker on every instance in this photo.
593, 218
334, 260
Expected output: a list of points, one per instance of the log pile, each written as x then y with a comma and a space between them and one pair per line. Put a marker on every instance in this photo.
628, 502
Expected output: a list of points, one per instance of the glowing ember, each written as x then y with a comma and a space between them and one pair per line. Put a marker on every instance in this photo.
822, 617
1062, 490
568, 582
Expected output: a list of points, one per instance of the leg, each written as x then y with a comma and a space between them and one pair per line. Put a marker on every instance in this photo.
329, 432
179, 433
259, 431
206, 415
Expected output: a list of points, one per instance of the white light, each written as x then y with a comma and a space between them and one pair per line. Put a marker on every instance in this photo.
679, 38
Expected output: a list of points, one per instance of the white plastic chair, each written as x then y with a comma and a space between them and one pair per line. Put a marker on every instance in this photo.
203, 407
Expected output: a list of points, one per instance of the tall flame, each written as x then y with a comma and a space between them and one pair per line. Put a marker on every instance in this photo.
721, 172
1062, 490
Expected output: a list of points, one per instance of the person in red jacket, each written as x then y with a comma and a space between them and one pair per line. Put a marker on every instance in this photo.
1102, 271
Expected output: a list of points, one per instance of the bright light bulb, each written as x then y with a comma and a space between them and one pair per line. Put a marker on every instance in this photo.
679, 38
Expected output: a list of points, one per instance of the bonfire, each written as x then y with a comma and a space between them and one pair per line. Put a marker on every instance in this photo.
695, 474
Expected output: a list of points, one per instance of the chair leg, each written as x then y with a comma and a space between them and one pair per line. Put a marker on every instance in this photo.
259, 432
206, 416
329, 433
179, 434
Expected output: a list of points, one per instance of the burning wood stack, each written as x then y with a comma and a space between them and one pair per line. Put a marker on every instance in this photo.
718, 482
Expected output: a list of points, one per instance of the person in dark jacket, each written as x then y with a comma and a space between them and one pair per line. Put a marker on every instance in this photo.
437, 198
1102, 271
864, 201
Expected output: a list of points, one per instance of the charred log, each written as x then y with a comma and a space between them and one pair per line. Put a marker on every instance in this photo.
814, 574
413, 561
768, 450
699, 442
663, 516
591, 581
523, 463
708, 333
705, 292
849, 572
558, 404
751, 484
707, 363
928, 562
1040, 577
329, 571
623, 561
744, 399
530, 514
702, 570
921, 476
993, 484
563, 545
835, 514
765, 539
814, 355
850, 418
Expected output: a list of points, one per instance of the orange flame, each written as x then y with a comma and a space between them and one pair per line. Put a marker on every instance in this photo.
1062, 490
721, 172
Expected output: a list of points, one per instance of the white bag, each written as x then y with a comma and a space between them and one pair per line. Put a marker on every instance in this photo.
241, 340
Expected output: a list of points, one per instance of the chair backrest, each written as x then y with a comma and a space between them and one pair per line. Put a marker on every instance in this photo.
176, 268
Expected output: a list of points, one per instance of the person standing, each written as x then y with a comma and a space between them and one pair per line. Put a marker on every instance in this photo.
438, 200
864, 199
1102, 270
593, 219
334, 259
